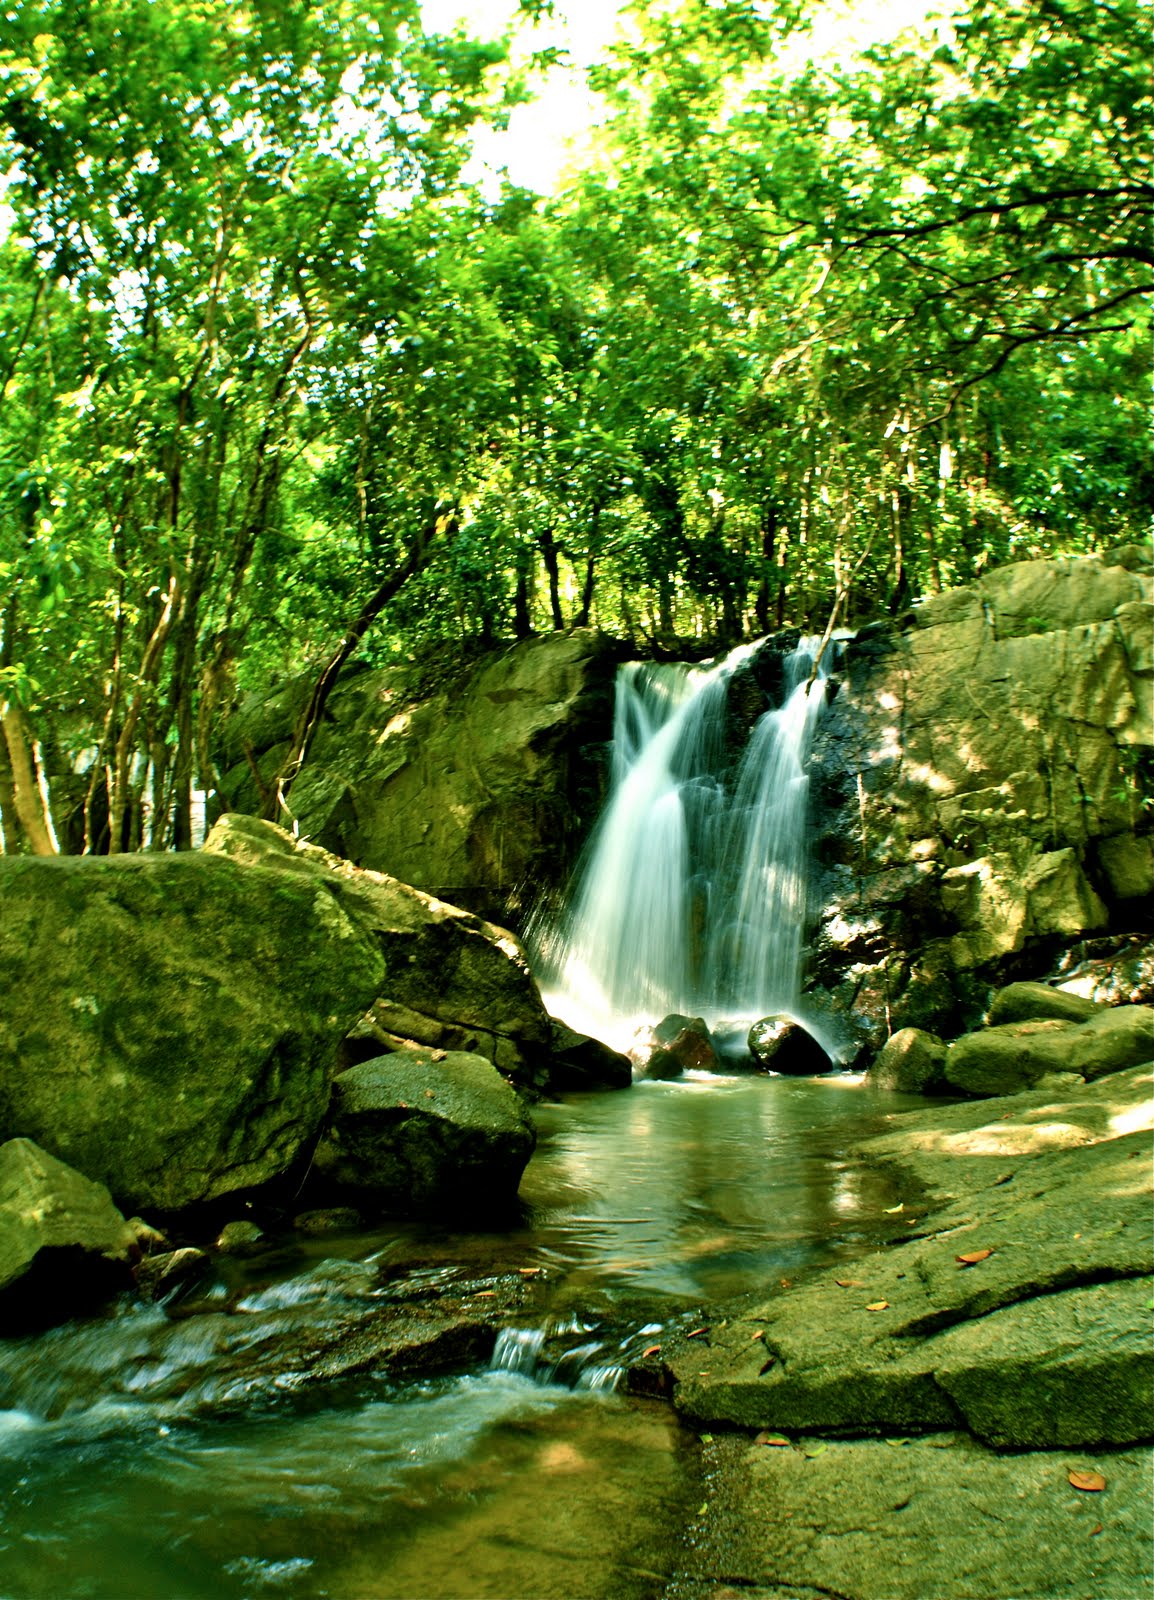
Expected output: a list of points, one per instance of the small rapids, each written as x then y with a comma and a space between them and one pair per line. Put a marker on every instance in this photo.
197, 1450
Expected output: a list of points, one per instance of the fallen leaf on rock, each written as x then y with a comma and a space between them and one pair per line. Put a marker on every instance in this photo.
897, 1442
972, 1257
878, 1305
766, 1366
697, 1332
892, 1211
650, 1350
528, 1272
707, 1438
485, 1294
1081, 1478
430, 1094
774, 1440
1096, 1529
787, 1283
759, 1333
814, 1450
849, 1283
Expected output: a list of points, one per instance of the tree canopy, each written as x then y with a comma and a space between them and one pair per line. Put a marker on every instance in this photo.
278, 387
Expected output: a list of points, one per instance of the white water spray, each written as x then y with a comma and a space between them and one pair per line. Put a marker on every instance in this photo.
691, 895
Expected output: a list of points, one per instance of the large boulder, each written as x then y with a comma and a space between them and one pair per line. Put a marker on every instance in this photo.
475, 781
450, 980
62, 1241
980, 786
168, 1023
579, 1062
779, 1043
1018, 1055
910, 1062
426, 1132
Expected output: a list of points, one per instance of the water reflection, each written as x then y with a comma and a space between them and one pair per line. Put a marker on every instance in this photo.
638, 1207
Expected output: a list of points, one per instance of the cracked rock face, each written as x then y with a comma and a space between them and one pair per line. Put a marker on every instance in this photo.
980, 789
1019, 1310
168, 1023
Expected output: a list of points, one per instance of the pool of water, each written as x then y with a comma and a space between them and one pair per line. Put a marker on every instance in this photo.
126, 1470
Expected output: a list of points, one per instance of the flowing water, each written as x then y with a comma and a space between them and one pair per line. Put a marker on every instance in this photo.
193, 1451
156, 1453
691, 896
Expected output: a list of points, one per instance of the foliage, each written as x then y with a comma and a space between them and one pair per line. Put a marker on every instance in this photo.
276, 386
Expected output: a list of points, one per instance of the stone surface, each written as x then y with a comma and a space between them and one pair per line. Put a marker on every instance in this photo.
579, 1062
1026, 1002
1017, 1055
675, 1045
476, 784
61, 1237
910, 1061
1019, 1308
162, 1276
168, 1022
425, 1132
451, 981
781, 1044
979, 780
938, 1518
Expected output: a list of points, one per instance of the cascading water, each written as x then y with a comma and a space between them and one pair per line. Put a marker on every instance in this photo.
691, 896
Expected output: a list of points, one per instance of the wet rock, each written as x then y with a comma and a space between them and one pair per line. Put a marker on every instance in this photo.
579, 1062
450, 981
675, 1045
1121, 975
779, 1043
63, 1244
425, 1132
168, 1022
239, 1238
1027, 1002
161, 1276
328, 1219
1021, 1310
910, 1061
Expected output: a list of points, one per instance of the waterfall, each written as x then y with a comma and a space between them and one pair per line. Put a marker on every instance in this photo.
691, 894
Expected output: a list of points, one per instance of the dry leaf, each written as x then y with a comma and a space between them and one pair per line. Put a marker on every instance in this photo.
1091, 1482
430, 1095
766, 1366
651, 1350
758, 1334
892, 1211
485, 1294
972, 1257
787, 1283
697, 1332
1097, 1528
878, 1305
849, 1283
528, 1272
774, 1440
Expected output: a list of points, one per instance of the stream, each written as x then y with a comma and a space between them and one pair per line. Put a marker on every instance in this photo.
135, 1462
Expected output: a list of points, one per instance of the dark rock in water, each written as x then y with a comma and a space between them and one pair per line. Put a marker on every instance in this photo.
327, 1219
911, 1061
161, 1276
63, 1244
240, 1238
579, 1062
425, 1132
780, 1044
675, 1045
1025, 1002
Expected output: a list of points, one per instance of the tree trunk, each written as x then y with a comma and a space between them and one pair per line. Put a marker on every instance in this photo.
549, 555
26, 796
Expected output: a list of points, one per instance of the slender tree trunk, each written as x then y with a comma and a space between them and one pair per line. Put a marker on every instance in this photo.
27, 799
549, 555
